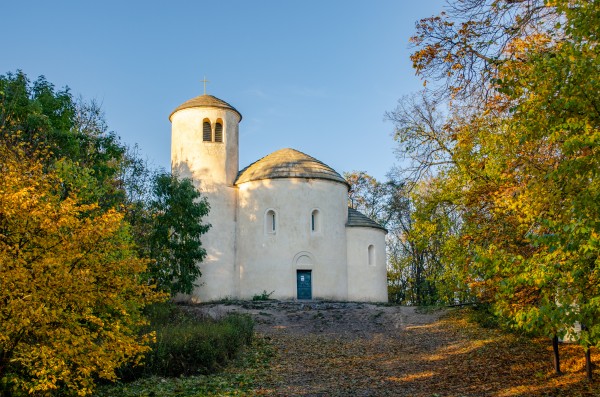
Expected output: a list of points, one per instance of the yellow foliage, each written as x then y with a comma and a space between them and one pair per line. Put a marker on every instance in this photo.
70, 292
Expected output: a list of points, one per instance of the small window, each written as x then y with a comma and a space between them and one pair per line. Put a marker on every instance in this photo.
315, 221
206, 132
218, 132
270, 222
371, 251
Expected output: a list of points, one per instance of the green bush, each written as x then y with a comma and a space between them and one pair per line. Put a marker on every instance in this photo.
484, 315
264, 296
187, 345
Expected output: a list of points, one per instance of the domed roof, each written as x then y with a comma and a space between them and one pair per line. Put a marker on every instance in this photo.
205, 100
288, 163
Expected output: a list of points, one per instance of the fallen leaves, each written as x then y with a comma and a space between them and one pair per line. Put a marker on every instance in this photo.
450, 357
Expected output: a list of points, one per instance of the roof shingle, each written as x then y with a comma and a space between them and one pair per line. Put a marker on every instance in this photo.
205, 101
288, 163
358, 219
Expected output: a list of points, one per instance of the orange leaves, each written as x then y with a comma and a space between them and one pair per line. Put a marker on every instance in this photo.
525, 158
449, 357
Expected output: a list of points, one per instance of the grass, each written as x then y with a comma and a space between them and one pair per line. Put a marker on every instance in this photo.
187, 345
239, 378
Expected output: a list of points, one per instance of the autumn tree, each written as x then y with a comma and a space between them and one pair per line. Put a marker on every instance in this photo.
71, 291
368, 195
518, 79
91, 160
73, 282
72, 131
418, 270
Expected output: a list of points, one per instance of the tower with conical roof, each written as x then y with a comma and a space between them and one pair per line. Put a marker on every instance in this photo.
204, 147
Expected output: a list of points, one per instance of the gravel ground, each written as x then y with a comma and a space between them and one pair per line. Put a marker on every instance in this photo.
334, 319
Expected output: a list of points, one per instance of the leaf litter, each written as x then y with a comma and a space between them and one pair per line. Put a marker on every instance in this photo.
355, 349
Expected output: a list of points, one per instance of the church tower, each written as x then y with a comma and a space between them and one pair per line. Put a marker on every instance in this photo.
204, 148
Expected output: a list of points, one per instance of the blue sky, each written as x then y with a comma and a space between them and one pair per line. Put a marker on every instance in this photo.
316, 76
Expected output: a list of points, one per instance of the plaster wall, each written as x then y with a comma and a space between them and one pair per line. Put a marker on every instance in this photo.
213, 167
269, 261
215, 163
366, 282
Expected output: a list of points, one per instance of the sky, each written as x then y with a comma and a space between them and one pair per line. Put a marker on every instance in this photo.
314, 75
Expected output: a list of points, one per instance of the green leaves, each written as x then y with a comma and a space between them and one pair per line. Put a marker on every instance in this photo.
527, 154
176, 212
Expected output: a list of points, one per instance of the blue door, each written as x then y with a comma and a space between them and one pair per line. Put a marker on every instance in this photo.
304, 283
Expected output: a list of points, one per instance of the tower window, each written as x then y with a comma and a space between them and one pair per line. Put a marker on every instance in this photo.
315, 221
206, 132
218, 132
371, 253
270, 222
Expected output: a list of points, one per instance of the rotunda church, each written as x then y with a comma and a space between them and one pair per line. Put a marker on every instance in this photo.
280, 225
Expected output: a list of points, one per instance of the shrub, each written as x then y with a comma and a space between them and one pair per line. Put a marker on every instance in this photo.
263, 296
484, 315
187, 345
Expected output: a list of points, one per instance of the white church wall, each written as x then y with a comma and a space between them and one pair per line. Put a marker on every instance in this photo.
213, 167
216, 163
268, 260
367, 273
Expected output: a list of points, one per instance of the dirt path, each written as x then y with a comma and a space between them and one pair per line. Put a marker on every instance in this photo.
359, 349
334, 349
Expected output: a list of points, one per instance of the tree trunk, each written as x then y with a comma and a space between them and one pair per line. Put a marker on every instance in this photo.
556, 355
588, 363
588, 357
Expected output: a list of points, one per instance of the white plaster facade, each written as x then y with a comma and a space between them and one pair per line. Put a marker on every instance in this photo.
282, 217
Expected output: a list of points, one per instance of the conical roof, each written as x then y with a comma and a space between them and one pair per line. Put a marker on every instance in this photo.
288, 163
358, 219
205, 100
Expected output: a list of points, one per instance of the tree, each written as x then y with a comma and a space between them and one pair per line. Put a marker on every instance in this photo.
71, 291
419, 234
75, 284
368, 196
176, 210
520, 82
72, 132
91, 161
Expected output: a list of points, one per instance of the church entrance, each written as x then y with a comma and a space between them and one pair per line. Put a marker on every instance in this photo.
304, 284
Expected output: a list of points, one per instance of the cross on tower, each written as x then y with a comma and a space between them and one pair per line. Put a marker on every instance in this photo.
204, 81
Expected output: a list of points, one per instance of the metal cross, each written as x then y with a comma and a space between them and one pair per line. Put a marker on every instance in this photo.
204, 81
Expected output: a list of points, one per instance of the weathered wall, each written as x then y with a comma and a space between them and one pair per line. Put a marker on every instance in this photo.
366, 282
268, 261
245, 257
213, 166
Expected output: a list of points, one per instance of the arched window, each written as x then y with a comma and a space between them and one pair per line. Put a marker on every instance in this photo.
315, 221
371, 251
270, 222
219, 132
206, 131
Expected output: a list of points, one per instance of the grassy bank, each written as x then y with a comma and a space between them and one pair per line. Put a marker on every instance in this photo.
190, 354
242, 378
